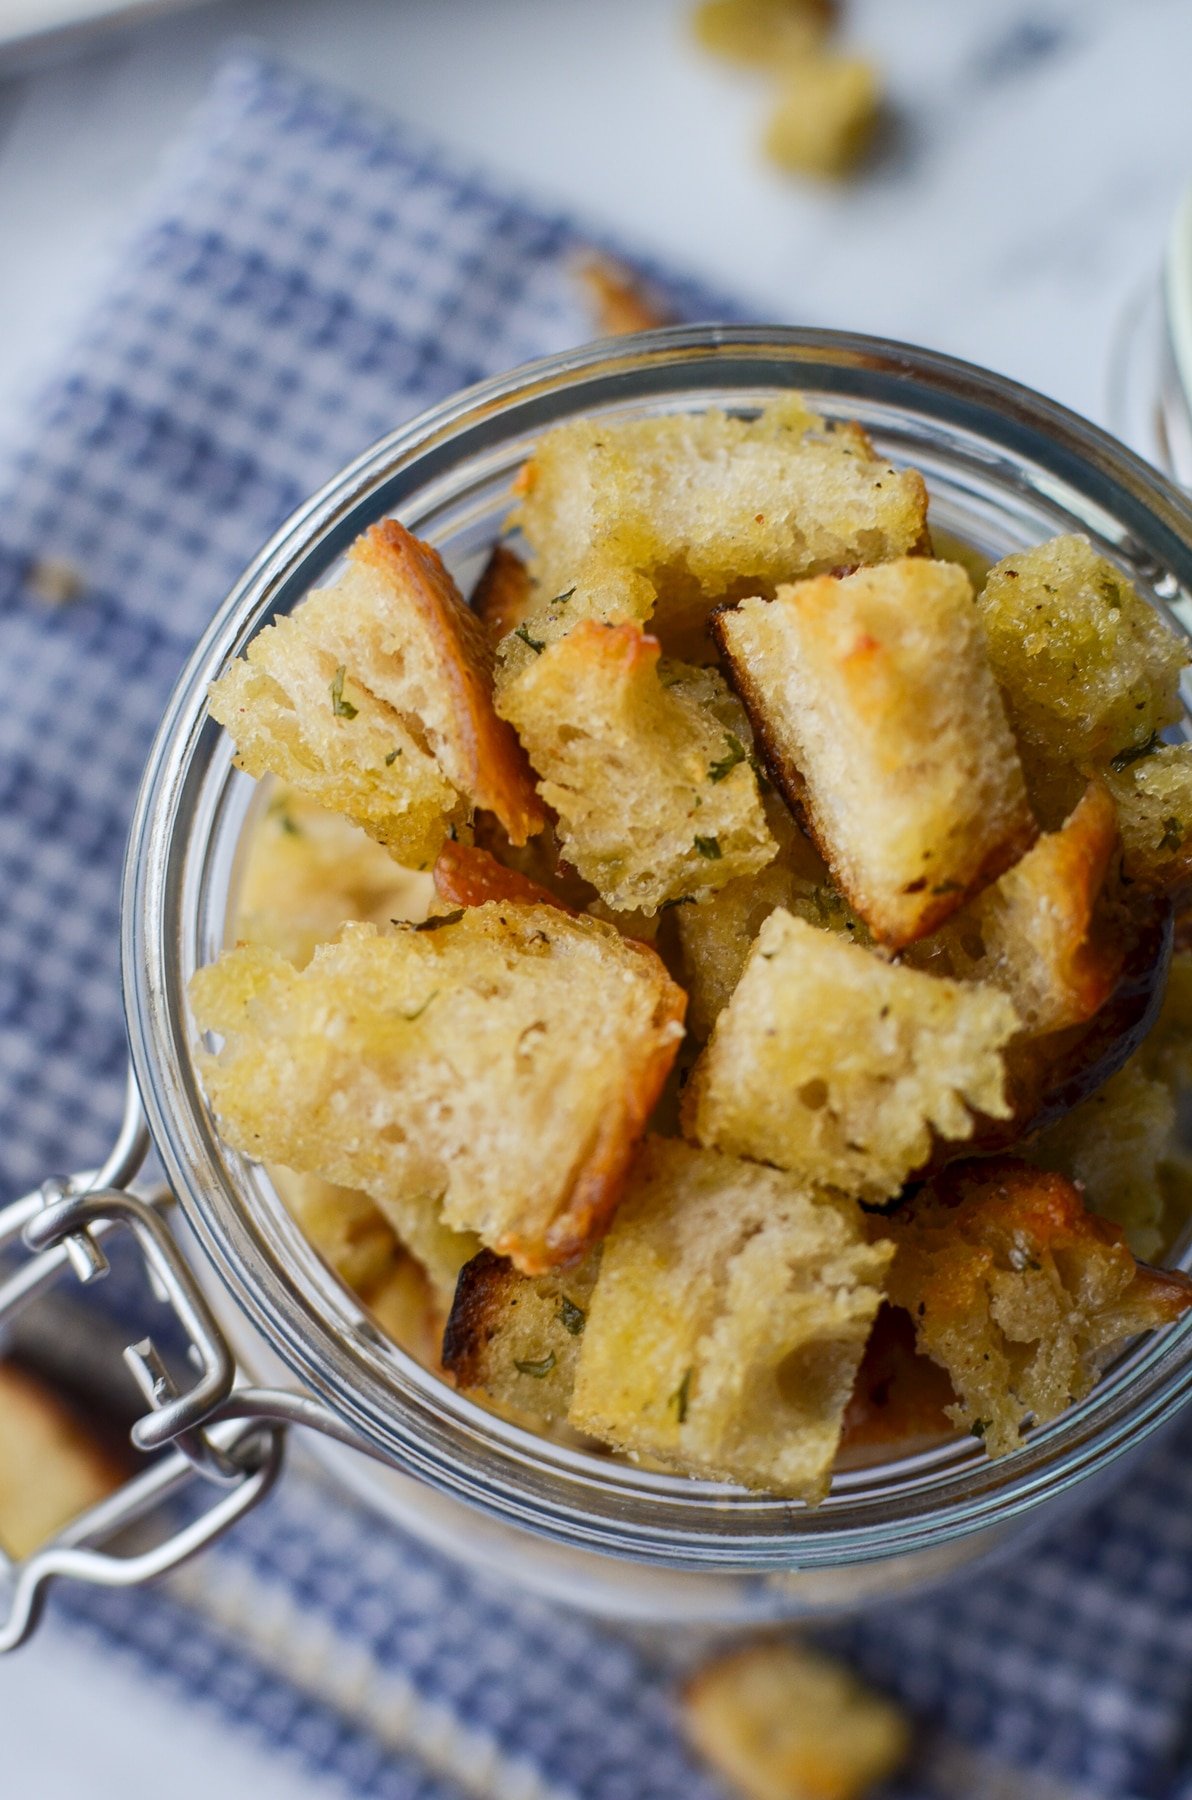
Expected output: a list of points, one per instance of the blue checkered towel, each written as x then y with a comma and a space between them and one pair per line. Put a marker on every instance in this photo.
309, 277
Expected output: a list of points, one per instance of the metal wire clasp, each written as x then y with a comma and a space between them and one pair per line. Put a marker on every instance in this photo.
63, 1227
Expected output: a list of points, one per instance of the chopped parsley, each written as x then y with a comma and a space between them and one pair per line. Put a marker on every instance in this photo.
948, 887
680, 900
392, 757
563, 598
735, 754
343, 709
285, 819
1124, 758
709, 847
537, 645
1173, 834
572, 1318
978, 1428
681, 1396
419, 1010
539, 1370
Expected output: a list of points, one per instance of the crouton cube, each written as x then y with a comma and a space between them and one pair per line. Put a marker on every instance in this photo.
1153, 793
1114, 1146
782, 1721
516, 1339
839, 1067
655, 798
1088, 669
373, 697
761, 32
727, 1321
503, 1064
1018, 1292
308, 871
827, 112
51, 1469
717, 932
696, 508
910, 784
504, 594
1044, 932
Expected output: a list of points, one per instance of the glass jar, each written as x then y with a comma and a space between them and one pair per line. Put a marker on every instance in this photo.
1005, 469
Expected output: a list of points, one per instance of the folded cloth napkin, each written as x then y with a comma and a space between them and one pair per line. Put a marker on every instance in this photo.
309, 277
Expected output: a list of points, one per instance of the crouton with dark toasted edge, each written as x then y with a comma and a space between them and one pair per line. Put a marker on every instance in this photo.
660, 519
1019, 1292
465, 875
908, 781
503, 1063
655, 798
1046, 932
727, 1321
374, 698
517, 1338
843, 1068
504, 594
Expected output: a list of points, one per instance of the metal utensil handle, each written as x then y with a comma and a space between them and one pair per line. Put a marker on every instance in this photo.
218, 1432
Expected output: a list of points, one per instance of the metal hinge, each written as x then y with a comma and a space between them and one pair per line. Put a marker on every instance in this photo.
216, 1433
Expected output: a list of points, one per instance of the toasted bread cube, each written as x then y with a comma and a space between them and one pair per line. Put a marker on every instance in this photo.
717, 932
51, 1468
655, 798
727, 1322
761, 32
504, 594
1114, 1146
910, 784
1044, 932
621, 301
517, 1339
374, 698
1154, 802
827, 112
503, 1064
309, 871
781, 1721
1018, 1292
1087, 668
696, 508
839, 1067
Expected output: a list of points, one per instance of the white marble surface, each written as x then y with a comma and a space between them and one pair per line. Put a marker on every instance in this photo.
1024, 198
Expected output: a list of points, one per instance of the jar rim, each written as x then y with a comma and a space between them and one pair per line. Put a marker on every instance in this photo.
409, 1417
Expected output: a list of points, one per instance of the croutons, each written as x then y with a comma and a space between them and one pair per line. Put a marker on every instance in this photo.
761, 32
781, 1721
309, 871
655, 798
51, 1469
346, 1227
727, 1321
465, 875
716, 933
696, 508
910, 783
1018, 1292
374, 698
1115, 1145
827, 112
839, 1067
517, 1339
504, 593
1043, 933
503, 1063
1153, 793
1087, 668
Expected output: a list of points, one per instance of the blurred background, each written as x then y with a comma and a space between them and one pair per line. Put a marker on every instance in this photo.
997, 181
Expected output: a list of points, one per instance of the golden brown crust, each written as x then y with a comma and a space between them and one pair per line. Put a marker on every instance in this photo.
498, 775
504, 594
467, 876
600, 1179
901, 1397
